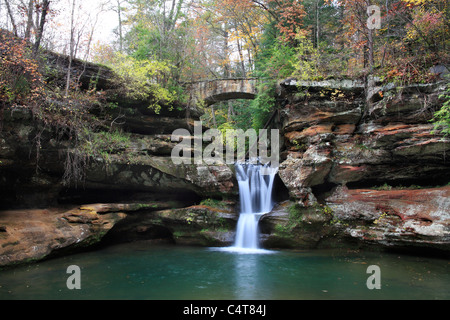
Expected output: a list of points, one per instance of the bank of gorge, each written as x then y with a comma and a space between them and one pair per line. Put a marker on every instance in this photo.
359, 168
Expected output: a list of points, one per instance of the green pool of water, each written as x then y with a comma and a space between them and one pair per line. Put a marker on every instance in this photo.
141, 271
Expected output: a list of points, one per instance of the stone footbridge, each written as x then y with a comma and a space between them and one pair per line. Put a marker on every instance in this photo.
212, 91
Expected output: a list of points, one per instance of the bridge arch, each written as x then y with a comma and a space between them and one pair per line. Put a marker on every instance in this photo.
212, 91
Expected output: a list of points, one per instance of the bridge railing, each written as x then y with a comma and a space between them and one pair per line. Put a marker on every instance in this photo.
221, 79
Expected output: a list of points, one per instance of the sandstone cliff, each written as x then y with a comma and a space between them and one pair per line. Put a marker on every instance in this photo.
362, 166
130, 186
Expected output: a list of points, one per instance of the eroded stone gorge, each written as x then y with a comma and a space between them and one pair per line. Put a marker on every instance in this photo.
359, 166
135, 193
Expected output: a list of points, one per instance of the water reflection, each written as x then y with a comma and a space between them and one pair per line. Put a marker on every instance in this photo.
247, 277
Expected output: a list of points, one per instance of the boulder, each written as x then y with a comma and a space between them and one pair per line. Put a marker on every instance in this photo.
397, 217
291, 225
33, 235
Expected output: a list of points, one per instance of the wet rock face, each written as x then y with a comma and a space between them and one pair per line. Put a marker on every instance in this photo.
356, 139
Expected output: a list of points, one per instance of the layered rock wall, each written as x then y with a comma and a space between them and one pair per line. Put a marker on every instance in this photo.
43, 215
362, 165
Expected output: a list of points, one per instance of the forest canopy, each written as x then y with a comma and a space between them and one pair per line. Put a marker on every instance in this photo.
167, 43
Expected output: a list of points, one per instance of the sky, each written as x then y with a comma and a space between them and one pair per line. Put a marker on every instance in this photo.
86, 14
107, 21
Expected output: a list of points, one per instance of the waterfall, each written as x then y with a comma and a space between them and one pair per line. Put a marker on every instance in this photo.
255, 194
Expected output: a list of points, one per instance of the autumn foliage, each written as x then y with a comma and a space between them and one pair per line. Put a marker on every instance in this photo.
290, 18
414, 36
21, 81
163, 45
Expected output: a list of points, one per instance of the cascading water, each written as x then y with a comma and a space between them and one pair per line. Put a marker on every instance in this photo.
255, 193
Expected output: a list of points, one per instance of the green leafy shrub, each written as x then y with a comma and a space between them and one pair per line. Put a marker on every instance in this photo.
441, 118
141, 80
213, 203
306, 63
275, 62
101, 144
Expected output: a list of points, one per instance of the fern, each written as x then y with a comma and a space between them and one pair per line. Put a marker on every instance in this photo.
441, 118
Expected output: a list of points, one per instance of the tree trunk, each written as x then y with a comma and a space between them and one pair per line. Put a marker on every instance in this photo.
241, 58
370, 53
241, 55
230, 111
40, 31
29, 20
119, 13
10, 13
370, 50
317, 24
71, 49
227, 71
213, 116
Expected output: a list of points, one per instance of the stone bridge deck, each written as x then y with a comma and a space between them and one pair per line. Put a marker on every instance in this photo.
212, 91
